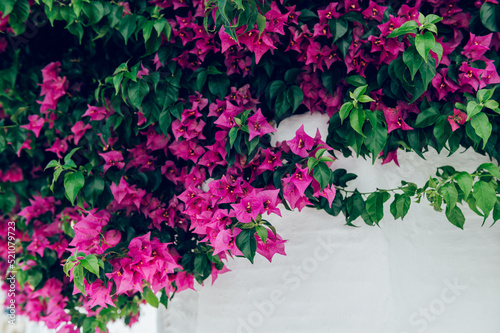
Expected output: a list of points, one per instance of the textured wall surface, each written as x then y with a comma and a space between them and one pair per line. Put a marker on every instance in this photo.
418, 275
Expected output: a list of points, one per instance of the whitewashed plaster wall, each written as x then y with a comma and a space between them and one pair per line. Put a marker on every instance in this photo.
418, 275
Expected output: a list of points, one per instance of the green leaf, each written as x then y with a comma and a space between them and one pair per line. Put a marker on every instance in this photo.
295, 97
376, 138
35, 276
427, 117
52, 164
93, 188
338, 28
405, 28
76, 29
94, 11
450, 195
147, 30
68, 157
246, 243
490, 16
432, 19
491, 168
150, 297
281, 105
164, 298
455, 216
275, 88
7, 6
262, 233
485, 94
355, 205
491, 104
464, 181
137, 91
233, 133
345, 109
357, 120
8, 201
359, 91
311, 163
413, 60
127, 26
165, 121
322, 174
218, 85
485, 196
365, 99
261, 23
482, 127
356, 80
424, 43
78, 279
400, 206
472, 109
91, 264
73, 182
438, 49
375, 205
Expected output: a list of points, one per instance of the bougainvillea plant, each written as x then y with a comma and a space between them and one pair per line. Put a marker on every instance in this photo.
135, 136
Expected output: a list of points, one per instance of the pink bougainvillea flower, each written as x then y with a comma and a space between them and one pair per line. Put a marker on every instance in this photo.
96, 113
59, 147
112, 158
272, 160
477, 46
99, 294
258, 125
469, 76
274, 245
301, 143
374, 11
275, 20
270, 200
328, 13
395, 119
389, 26
391, 156
490, 74
457, 119
443, 84
261, 46
248, 209
79, 129
35, 125
300, 180
142, 72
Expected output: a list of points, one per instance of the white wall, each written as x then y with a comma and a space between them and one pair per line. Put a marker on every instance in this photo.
418, 275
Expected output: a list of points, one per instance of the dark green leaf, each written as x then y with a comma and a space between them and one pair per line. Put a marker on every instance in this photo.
490, 16
485, 196
375, 205
295, 97
322, 174
338, 28
482, 127
150, 297
424, 43
400, 206
73, 182
246, 243
464, 181
455, 216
